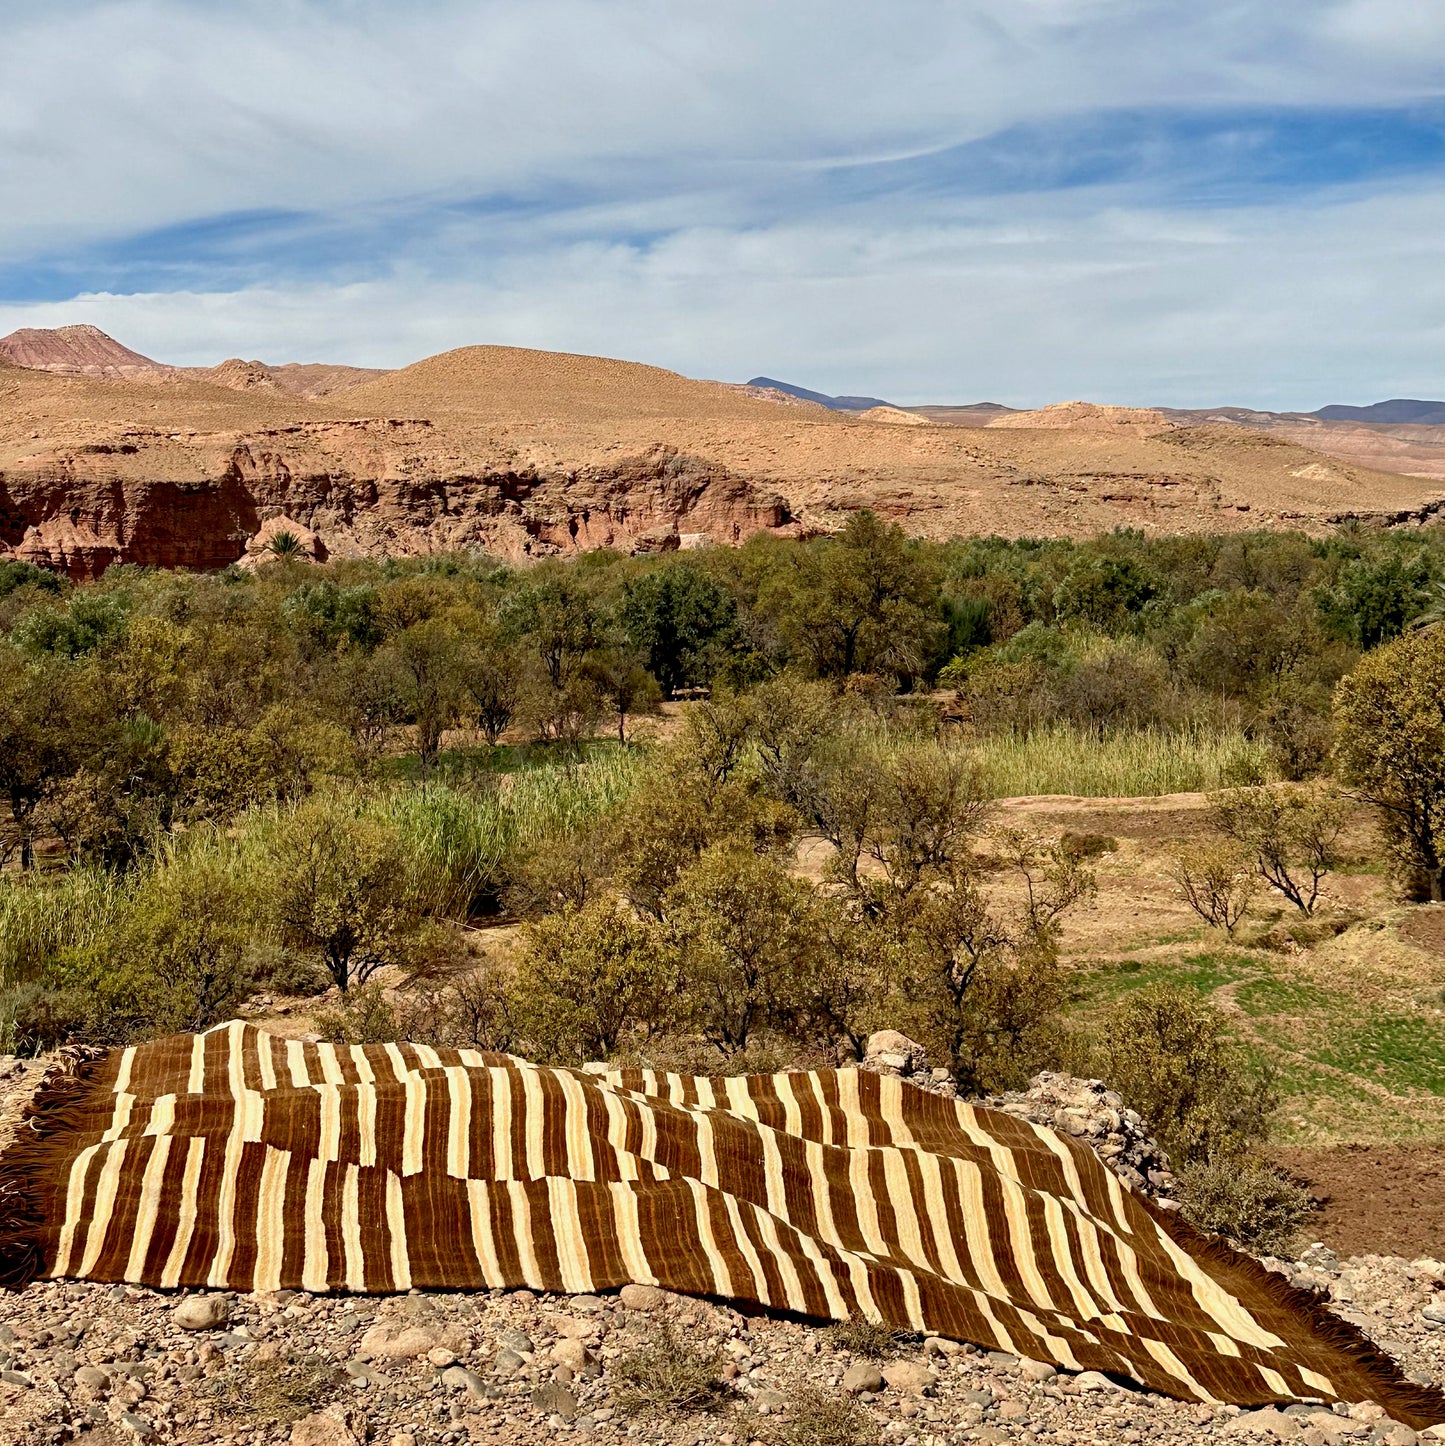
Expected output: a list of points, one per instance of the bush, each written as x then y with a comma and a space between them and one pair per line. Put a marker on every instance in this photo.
1293, 834
873, 1340
1165, 1050
1217, 880
1244, 1197
814, 1417
668, 1376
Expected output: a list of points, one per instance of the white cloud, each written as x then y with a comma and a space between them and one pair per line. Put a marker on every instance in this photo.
1118, 305
693, 122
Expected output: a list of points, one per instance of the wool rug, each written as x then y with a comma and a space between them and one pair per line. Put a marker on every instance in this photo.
240, 1160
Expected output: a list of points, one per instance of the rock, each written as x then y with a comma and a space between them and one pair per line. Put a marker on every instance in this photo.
402, 1340
507, 1363
402, 1438
571, 1353
555, 1400
641, 1297
1095, 1381
441, 1357
202, 1312
518, 1341
336, 1426
91, 1378
1399, 1434
1013, 1411
137, 1425
1434, 1315
15, 1378
941, 1346
909, 1378
862, 1376
1267, 1422
889, 1052
587, 1302
1037, 1370
459, 1378
573, 1326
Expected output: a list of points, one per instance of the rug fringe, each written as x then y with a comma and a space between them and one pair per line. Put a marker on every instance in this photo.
27, 1180
1405, 1400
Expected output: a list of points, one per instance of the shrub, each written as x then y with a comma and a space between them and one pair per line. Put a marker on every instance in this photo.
814, 1417
588, 979
1248, 1199
859, 1336
1293, 834
1217, 880
668, 1376
1165, 1050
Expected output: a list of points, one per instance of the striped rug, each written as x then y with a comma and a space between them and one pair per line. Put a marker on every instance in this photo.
240, 1160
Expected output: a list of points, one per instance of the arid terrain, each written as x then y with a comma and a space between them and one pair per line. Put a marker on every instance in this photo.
106, 456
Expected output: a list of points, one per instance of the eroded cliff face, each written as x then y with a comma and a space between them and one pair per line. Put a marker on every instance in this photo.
363, 488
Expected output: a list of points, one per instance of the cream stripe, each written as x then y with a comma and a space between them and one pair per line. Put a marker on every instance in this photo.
617, 1136
572, 1261
579, 1146
365, 1107
122, 1078
484, 1241
1225, 1345
502, 1166
911, 1303
427, 1057
1177, 1368
1216, 1302
936, 1207
296, 1064
330, 1066
74, 1201
707, 1171
413, 1130
1021, 1244
315, 1259
815, 1163
351, 1230
793, 1295
522, 1234
890, 1109
977, 1237
104, 1206
745, 1248
235, 1146
399, 1070
328, 1146
850, 1101
706, 1095
396, 1229
196, 1081
863, 1202
146, 1209
629, 1233
721, 1277
740, 1102
120, 1119
822, 1268
1085, 1306
459, 1123
1321, 1383
792, 1113
266, 1060
271, 1220
1274, 1380
899, 1190
777, 1190
186, 1216
162, 1116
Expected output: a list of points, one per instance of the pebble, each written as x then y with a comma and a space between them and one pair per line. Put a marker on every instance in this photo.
641, 1297
202, 1312
863, 1376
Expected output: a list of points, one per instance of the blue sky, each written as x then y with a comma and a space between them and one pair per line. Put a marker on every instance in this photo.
935, 200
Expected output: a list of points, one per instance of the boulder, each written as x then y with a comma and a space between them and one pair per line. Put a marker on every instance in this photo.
336, 1426
403, 1340
909, 1378
641, 1297
202, 1312
862, 1376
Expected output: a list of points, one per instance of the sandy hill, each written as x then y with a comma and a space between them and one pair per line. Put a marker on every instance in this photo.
527, 452
75, 351
301, 379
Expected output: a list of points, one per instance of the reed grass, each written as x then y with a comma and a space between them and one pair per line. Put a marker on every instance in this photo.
1060, 759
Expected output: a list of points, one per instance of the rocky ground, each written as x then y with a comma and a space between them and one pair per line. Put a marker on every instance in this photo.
115, 1364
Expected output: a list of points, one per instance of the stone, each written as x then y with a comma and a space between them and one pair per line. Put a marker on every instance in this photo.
137, 1425
769, 1402
571, 1353
890, 1052
507, 1363
459, 1378
573, 1326
1013, 1411
202, 1312
1095, 1381
909, 1378
862, 1376
403, 1340
514, 1340
1037, 1370
1267, 1422
641, 1297
402, 1438
91, 1378
335, 1426
441, 1357
941, 1346
1434, 1315
1399, 1434
556, 1400
587, 1302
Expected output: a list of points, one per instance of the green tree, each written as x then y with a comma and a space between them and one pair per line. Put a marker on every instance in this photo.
588, 979
38, 748
1390, 750
430, 667
341, 888
1374, 599
679, 618
1108, 592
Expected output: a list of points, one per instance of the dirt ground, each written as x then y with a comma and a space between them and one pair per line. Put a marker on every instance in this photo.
1376, 1199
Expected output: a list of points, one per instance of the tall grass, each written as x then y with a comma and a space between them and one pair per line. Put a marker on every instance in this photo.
41, 914
1063, 759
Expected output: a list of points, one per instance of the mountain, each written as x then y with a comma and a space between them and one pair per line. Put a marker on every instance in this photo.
1397, 410
525, 454
75, 351
834, 404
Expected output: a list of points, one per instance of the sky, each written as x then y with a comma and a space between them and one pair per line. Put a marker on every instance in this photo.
1024, 201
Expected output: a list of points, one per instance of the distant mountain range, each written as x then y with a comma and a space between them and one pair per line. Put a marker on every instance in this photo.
834, 404
1399, 411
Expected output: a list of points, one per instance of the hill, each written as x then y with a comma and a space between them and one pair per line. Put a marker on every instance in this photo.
526, 453
834, 404
1398, 409
75, 351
